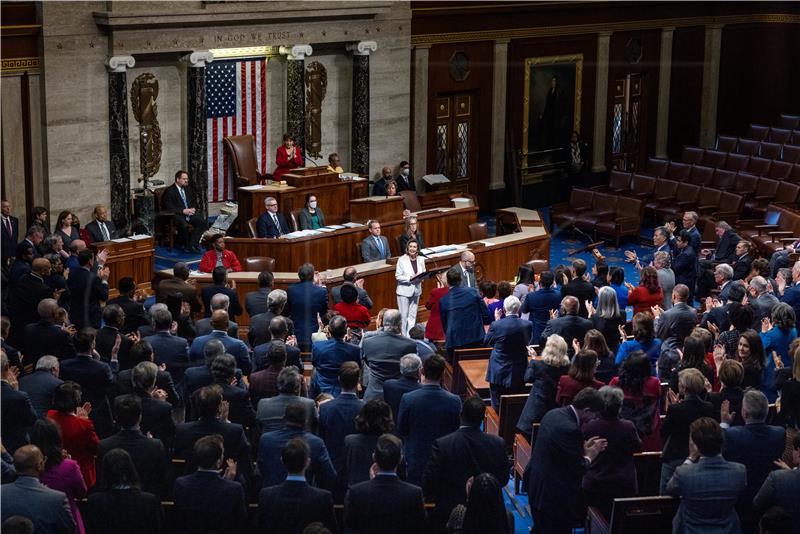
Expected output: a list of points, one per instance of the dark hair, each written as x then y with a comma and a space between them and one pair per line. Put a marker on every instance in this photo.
141, 351
596, 341
707, 436
636, 369
602, 271
525, 274
223, 368
61, 216
583, 366
348, 375
83, 340
17, 524
757, 355
590, 399
349, 293
288, 136
46, 435
276, 353
454, 277
67, 397
736, 294
179, 172
219, 274
649, 279
741, 316
775, 520
295, 455
433, 367
761, 266
207, 401
580, 267
643, 328
126, 284
265, 279
504, 289
546, 279
375, 418
337, 326
308, 198
485, 509
306, 272
473, 411
117, 469
694, 354
295, 414
488, 289
617, 275
127, 410
208, 450
388, 452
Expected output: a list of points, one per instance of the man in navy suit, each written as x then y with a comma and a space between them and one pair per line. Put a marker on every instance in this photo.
395, 388
568, 325
135, 315
220, 301
306, 301
44, 337
540, 303
169, 349
206, 501
463, 313
755, 444
278, 505
9, 231
791, 295
18, 414
271, 223
782, 487
329, 355
509, 339
579, 287
180, 199
86, 291
337, 418
255, 302
219, 277
720, 315
426, 415
41, 384
278, 331
234, 347
689, 223
24, 298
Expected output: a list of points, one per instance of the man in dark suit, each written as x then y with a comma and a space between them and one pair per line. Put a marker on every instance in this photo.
255, 302
379, 187
329, 355
169, 349
579, 287
156, 411
9, 232
385, 504
559, 460
180, 199
743, 260
21, 265
135, 316
306, 302
86, 291
395, 388
426, 415
200, 375
337, 417
509, 338
350, 274
278, 332
47, 509
101, 228
404, 180
219, 277
672, 326
234, 347
206, 501
568, 325
178, 284
756, 445
142, 351
259, 331
540, 303
44, 337
782, 487
113, 319
278, 505
375, 247
381, 354
689, 224
466, 266
463, 313
271, 223
707, 484
790, 292
148, 454
456, 457
17, 414
241, 411
761, 299
272, 410
24, 298
203, 327
41, 384
720, 314
727, 239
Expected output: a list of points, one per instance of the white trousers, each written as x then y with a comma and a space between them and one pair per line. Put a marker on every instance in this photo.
408, 311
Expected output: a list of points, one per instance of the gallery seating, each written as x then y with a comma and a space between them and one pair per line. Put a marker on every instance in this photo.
770, 236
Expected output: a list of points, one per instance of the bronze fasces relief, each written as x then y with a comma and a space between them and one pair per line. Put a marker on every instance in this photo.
316, 87
144, 93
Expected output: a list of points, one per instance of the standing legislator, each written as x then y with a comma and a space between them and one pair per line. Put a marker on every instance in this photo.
409, 265
287, 158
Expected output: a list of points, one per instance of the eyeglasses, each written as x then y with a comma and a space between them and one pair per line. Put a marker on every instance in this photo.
271, 205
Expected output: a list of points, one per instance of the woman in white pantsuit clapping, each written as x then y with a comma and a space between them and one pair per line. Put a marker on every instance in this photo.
409, 265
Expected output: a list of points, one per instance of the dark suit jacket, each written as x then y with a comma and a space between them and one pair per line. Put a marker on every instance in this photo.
781, 488
684, 265
157, 419
542, 397
209, 291
44, 338
203, 327
741, 267
148, 455
171, 201
454, 459
47, 509
675, 324
395, 388
176, 285
581, 290
463, 313
255, 302
18, 416
385, 504
304, 303
509, 338
104, 343
371, 252
207, 503
337, 419
538, 304
124, 512
86, 291
321, 471
40, 386
170, 350
18, 269
164, 381
94, 231
241, 409
260, 356
237, 446
569, 327
726, 247
675, 427
265, 227
382, 353
327, 357
291, 506
23, 301
258, 331
135, 315
95, 378
9, 242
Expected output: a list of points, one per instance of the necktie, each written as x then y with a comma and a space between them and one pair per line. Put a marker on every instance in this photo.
380, 246
277, 225
183, 197
466, 277
8, 227
103, 229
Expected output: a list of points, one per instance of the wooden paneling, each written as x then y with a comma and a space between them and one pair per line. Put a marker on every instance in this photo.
759, 75
686, 88
132, 257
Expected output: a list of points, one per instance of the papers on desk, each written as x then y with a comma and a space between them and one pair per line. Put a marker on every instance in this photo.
139, 236
353, 225
120, 240
326, 229
301, 233
335, 227
251, 187
442, 250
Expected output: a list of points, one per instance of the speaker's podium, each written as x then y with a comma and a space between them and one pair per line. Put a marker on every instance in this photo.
304, 176
377, 208
128, 256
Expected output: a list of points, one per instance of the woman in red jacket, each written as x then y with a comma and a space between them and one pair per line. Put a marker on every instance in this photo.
433, 328
648, 294
77, 431
217, 255
287, 158
579, 376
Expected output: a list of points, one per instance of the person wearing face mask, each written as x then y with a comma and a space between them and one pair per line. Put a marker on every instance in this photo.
405, 182
311, 216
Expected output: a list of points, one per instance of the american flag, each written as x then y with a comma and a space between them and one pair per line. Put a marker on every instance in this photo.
236, 93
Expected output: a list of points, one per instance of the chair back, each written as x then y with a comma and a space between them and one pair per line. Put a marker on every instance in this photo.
242, 151
410, 201
478, 231
643, 514
251, 226
294, 216
256, 264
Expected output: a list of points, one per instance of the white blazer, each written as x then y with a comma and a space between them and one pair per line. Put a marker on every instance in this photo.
404, 273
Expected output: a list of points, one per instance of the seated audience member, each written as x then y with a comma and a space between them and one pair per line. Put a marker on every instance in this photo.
287, 157
168, 349
40, 386
223, 369
350, 275
379, 187
606, 367
306, 301
613, 474
77, 431
358, 317
119, 505
675, 427
18, 413
233, 346
178, 284
218, 256
756, 445
568, 325
156, 411
433, 327
559, 460
642, 395
750, 352
484, 510
131, 303
425, 415
101, 228
647, 294
207, 501
579, 287
311, 216
60, 473
579, 376
781, 259
741, 265
47, 509
540, 303
278, 505
705, 478
608, 317
395, 388
447, 474
334, 163
385, 503
731, 373
271, 223
545, 375
148, 454
221, 284
781, 486
321, 472
271, 411
181, 200
375, 247
411, 231
203, 327
509, 339
404, 179
776, 336
255, 302
374, 420
381, 353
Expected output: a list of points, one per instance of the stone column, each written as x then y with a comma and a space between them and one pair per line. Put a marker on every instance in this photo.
708, 107
197, 144
359, 122
601, 103
499, 86
119, 156
664, 74
295, 92
419, 147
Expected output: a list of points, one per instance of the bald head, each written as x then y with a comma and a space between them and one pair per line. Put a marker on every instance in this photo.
387, 172
219, 320
77, 245
570, 305
41, 266
29, 460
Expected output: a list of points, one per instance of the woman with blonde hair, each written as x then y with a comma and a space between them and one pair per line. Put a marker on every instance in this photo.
411, 232
544, 373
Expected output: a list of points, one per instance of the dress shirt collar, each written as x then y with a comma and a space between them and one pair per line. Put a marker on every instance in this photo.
348, 394
295, 478
212, 471
386, 474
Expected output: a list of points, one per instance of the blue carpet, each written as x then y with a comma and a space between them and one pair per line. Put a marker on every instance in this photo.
166, 258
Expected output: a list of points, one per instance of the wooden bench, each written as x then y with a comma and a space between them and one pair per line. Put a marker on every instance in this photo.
522, 455
504, 424
454, 378
634, 515
648, 472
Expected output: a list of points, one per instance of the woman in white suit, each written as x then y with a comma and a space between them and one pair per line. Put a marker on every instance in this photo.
409, 265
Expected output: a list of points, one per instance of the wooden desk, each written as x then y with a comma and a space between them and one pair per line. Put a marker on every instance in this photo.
310, 176
525, 216
333, 199
475, 373
378, 208
131, 257
443, 226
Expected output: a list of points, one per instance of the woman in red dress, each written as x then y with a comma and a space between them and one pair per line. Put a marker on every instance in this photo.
77, 431
580, 375
648, 294
433, 328
287, 158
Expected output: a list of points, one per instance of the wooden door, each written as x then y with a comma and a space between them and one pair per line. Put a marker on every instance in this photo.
626, 122
455, 147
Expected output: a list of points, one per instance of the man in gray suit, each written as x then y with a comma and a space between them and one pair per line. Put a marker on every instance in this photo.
761, 299
674, 325
351, 275
708, 484
271, 411
375, 247
467, 267
27, 497
255, 302
381, 354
